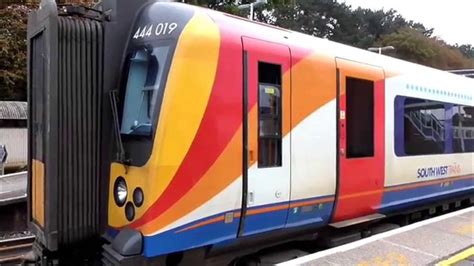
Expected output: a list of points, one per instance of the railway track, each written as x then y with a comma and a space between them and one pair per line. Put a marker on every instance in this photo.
14, 249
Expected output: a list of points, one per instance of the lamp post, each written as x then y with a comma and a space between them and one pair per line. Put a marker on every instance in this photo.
251, 6
380, 49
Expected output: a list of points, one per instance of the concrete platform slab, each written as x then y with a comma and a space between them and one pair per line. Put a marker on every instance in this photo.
423, 243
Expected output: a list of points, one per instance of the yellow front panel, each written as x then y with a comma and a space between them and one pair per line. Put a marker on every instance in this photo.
37, 189
185, 99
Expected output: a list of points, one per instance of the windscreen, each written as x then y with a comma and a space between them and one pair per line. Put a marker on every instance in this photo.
146, 70
150, 51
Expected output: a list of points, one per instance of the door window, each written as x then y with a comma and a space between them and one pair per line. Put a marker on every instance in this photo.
360, 117
269, 115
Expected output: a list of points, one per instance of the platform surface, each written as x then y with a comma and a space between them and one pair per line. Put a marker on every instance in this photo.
449, 237
13, 188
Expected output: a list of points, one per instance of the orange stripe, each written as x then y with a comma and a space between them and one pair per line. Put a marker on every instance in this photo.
428, 183
311, 202
220, 175
259, 211
321, 200
267, 209
360, 194
203, 223
173, 137
405, 186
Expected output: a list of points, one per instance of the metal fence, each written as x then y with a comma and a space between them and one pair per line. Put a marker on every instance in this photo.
4, 3
464, 72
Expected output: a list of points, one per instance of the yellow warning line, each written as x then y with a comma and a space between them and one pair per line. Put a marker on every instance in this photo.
458, 257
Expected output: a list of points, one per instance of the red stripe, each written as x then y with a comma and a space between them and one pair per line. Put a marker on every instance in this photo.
220, 122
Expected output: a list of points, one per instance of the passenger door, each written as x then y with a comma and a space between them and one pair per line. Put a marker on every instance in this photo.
361, 140
266, 148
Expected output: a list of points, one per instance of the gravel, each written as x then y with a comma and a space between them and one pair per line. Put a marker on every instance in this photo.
9, 235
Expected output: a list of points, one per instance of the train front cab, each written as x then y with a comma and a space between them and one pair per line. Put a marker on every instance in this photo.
176, 134
188, 167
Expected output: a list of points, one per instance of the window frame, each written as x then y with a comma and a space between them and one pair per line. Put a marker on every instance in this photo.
350, 155
399, 140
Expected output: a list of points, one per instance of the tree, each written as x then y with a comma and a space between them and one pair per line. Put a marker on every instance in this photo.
13, 21
322, 18
336, 21
227, 6
414, 46
466, 49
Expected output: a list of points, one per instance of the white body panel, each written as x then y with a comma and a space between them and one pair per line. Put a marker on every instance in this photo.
313, 162
270, 185
441, 87
227, 200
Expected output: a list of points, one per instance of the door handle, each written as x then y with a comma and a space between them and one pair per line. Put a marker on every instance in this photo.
250, 199
342, 152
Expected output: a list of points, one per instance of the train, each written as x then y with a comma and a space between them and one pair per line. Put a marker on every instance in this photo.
163, 129
13, 132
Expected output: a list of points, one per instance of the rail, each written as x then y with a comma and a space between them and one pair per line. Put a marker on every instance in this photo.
14, 249
19, 174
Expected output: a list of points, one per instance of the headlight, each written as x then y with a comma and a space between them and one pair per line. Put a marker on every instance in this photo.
138, 197
130, 211
120, 191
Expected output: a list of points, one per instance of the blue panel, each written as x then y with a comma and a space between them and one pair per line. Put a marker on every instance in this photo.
318, 214
396, 200
264, 221
213, 230
176, 240
112, 232
399, 106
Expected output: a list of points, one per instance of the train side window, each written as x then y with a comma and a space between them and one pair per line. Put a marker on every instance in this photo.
359, 118
269, 115
463, 128
420, 126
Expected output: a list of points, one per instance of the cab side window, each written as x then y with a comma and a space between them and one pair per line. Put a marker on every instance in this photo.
269, 115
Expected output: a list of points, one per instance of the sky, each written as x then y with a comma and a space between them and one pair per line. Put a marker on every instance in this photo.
452, 20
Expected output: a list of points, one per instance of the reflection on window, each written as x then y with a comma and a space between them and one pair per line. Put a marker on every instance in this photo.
269, 116
424, 131
463, 128
142, 90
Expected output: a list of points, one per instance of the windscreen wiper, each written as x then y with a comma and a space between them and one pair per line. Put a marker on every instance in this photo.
118, 140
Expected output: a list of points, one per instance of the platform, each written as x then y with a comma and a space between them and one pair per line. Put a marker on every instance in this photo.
13, 188
443, 240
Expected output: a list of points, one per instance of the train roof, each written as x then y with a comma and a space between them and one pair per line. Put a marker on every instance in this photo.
12, 110
411, 73
391, 65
